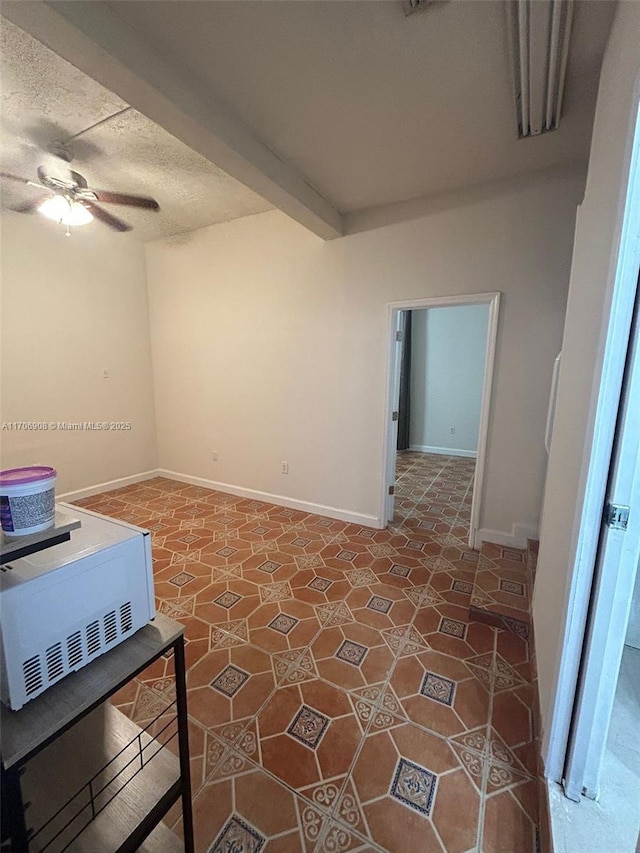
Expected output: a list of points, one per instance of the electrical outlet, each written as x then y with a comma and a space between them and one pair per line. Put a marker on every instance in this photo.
214, 456
452, 430
284, 468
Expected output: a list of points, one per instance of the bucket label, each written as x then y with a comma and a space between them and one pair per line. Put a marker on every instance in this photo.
29, 510
5, 513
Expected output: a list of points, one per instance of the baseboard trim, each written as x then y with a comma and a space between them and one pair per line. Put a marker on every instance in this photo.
443, 451
518, 538
544, 816
279, 500
109, 486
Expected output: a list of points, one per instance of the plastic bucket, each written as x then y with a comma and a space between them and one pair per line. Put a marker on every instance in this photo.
27, 499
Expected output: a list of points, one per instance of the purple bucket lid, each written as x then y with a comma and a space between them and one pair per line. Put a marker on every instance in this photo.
22, 476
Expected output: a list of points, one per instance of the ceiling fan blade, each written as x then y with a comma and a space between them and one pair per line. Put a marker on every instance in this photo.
79, 179
14, 178
130, 200
29, 206
105, 217
53, 183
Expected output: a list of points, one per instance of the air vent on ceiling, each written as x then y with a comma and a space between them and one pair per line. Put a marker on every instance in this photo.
411, 6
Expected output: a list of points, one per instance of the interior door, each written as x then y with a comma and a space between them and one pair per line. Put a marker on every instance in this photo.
616, 568
394, 399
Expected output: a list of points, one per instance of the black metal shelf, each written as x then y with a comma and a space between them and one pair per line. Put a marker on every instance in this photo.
93, 779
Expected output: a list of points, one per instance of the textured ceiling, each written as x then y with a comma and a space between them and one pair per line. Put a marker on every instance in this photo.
372, 106
369, 106
44, 98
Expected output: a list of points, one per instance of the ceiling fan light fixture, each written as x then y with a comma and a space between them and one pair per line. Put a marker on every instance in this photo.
65, 211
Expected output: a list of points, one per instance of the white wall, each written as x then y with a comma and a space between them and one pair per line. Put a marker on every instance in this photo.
586, 322
448, 348
71, 307
270, 345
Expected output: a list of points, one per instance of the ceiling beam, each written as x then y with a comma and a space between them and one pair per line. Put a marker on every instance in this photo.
94, 39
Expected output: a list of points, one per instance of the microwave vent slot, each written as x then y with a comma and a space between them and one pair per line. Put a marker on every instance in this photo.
93, 637
110, 627
126, 619
55, 666
32, 672
43, 669
74, 649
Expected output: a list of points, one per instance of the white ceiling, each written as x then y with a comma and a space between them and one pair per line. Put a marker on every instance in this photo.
369, 105
45, 98
321, 107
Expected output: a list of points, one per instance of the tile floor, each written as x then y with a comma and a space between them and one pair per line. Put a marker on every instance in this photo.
340, 697
503, 585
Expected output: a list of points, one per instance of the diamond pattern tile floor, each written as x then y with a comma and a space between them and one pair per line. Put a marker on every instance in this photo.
340, 697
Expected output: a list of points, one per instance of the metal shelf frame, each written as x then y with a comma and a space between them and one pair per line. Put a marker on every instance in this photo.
71, 700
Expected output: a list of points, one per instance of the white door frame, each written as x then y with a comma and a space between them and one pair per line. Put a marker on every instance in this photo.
396, 361
597, 458
390, 401
614, 580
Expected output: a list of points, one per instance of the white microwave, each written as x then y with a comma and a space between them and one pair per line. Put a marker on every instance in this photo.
62, 607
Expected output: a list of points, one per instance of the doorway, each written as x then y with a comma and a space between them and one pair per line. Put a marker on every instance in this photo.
585, 615
603, 756
440, 427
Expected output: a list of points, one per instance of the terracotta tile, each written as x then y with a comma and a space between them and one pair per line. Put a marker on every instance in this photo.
225, 551
455, 586
242, 803
507, 826
195, 629
403, 817
397, 829
380, 606
231, 599
515, 650
195, 650
269, 565
229, 685
375, 766
352, 655
283, 625
319, 585
278, 713
458, 828
336, 836
178, 607
511, 717
446, 628
441, 693
291, 762
528, 795
126, 694
266, 803
303, 755
294, 667
210, 809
